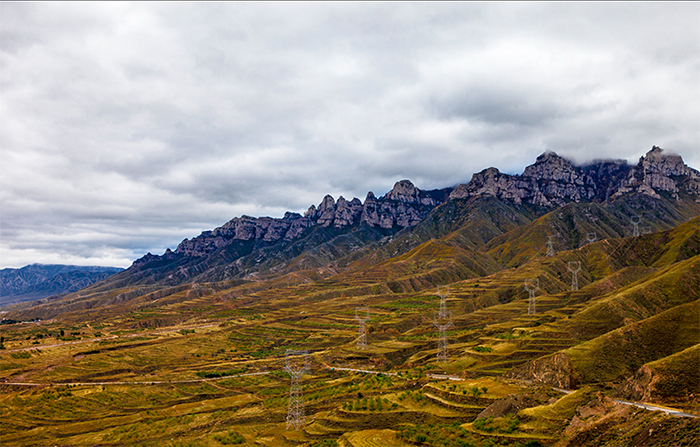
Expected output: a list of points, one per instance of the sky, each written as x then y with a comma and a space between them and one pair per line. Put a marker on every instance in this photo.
127, 127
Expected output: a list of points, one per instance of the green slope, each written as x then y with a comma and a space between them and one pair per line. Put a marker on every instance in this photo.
618, 354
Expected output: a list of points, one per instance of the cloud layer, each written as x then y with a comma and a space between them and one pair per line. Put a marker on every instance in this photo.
127, 127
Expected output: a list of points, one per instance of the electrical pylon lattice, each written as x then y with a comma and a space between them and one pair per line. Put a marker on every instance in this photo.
442, 324
297, 364
591, 237
550, 246
442, 293
574, 267
636, 220
362, 315
532, 286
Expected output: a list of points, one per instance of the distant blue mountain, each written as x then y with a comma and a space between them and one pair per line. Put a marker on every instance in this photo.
38, 281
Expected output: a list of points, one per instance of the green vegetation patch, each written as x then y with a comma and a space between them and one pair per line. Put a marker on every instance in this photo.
226, 373
453, 435
482, 349
230, 438
507, 425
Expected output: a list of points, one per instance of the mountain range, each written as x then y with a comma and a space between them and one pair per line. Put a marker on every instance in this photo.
38, 281
572, 295
333, 232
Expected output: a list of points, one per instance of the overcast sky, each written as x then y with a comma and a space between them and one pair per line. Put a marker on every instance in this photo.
125, 128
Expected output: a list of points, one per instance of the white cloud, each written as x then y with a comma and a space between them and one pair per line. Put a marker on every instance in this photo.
126, 127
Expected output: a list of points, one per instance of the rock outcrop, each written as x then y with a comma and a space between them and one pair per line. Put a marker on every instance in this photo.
554, 370
554, 181
658, 171
403, 206
550, 181
513, 403
673, 378
641, 386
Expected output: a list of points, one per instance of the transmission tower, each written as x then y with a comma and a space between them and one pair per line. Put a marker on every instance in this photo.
362, 315
532, 286
442, 324
550, 246
297, 364
574, 267
443, 293
591, 237
636, 220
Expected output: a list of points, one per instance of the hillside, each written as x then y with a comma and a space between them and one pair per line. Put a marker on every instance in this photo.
204, 357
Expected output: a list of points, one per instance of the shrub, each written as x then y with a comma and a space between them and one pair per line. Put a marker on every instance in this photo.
326, 443
482, 349
231, 437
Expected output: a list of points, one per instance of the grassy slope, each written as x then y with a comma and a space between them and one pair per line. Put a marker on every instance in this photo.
666, 288
618, 354
674, 379
679, 373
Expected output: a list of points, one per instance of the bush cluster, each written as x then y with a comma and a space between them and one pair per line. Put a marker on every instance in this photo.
482, 349
231, 437
506, 425
370, 404
437, 435
417, 396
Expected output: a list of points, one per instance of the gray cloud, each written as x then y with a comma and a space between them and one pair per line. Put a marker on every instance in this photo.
128, 127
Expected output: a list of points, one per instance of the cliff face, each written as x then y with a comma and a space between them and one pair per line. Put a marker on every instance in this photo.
403, 206
554, 370
550, 181
661, 171
554, 181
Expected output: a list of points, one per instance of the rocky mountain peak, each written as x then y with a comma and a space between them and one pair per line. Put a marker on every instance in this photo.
405, 205
550, 166
551, 181
660, 161
327, 203
404, 191
661, 171
554, 181
489, 183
